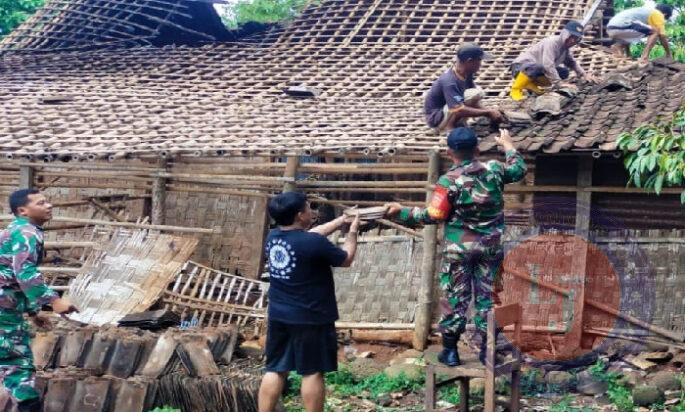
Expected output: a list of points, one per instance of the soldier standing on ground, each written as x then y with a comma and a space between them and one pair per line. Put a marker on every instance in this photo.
23, 291
469, 199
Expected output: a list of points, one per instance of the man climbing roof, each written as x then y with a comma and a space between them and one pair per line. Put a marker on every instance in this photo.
446, 106
632, 25
547, 62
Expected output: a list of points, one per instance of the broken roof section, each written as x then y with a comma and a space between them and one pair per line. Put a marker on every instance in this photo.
370, 60
86, 24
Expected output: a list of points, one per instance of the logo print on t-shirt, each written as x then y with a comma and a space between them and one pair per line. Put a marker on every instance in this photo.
281, 259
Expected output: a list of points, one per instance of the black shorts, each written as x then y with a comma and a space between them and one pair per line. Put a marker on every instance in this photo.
306, 349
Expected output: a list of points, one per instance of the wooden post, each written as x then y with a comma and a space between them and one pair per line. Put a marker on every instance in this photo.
158, 196
291, 173
430, 240
26, 177
579, 267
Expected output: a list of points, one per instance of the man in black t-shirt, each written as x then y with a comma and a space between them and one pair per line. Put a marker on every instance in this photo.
446, 107
302, 307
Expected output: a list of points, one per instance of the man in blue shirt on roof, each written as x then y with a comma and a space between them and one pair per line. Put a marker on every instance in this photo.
302, 308
446, 106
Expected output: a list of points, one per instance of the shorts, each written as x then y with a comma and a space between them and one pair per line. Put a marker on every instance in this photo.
306, 349
629, 34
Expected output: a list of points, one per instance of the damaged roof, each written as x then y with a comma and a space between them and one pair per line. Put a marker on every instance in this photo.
360, 69
593, 117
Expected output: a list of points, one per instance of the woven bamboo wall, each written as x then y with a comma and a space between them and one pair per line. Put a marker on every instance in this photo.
383, 283
241, 220
640, 272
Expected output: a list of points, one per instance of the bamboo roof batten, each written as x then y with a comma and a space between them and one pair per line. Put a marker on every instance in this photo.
371, 60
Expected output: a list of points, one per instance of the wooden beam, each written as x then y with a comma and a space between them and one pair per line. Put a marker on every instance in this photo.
106, 210
158, 196
430, 242
93, 222
579, 262
67, 244
27, 177
678, 337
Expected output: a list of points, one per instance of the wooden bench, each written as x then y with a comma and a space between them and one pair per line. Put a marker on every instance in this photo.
497, 318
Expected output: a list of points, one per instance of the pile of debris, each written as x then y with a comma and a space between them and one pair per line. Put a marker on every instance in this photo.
128, 369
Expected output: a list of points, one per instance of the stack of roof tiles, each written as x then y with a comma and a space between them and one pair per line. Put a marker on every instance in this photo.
70, 91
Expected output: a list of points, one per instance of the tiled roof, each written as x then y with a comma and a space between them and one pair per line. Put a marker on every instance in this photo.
598, 114
227, 98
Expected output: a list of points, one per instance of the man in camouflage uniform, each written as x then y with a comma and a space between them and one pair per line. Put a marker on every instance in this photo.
23, 291
469, 198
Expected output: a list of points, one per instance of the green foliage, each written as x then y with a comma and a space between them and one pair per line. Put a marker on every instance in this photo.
532, 383
263, 11
294, 384
14, 12
166, 409
655, 154
565, 406
344, 383
618, 394
450, 393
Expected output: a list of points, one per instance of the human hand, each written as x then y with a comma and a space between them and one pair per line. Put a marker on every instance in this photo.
496, 116
504, 140
63, 306
354, 226
42, 321
392, 209
592, 78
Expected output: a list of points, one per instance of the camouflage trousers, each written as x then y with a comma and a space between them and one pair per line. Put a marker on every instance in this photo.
16, 359
467, 273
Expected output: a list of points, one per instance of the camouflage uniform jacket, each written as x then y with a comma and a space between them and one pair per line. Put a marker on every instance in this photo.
469, 198
22, 288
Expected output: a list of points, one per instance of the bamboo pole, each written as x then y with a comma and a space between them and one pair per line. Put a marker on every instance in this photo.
27, 177
430, 237
92, 222
66, 271
92, 166
678, 337
218, 191
363, 184
541, 283
109, 212
158, 195
67, 244
369, 190
349, 203
290, 174
132, 177
399, 227
226, 177
640, 339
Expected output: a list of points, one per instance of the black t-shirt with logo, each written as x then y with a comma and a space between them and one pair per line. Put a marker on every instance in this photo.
301, 287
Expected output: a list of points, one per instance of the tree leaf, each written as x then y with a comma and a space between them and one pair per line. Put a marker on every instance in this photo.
658, 184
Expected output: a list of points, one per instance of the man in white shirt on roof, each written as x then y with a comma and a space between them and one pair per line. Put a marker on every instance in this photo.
632, 25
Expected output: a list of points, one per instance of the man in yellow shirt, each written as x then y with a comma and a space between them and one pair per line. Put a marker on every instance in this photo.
632, 25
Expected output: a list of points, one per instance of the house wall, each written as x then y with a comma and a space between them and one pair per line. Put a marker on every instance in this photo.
241, 220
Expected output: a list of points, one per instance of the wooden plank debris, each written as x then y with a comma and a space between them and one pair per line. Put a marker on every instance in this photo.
215, 298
